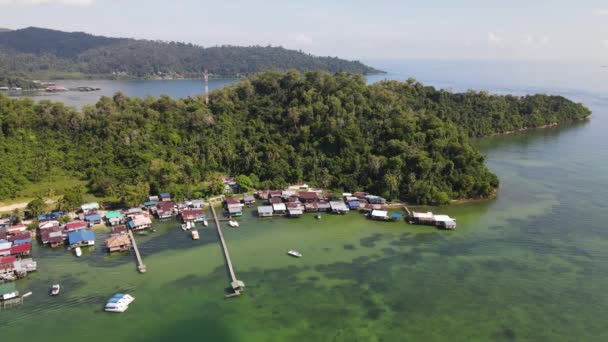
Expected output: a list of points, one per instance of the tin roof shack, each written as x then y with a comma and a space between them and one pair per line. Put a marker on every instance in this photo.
5, 248
197, 203
153, 199
308, 196
444, 222
193, 215
7, 267
51, 216
263, 195
279, 208
18, 228
379, 215
369, 207
119, 230
118, 243
295, 212
114, 218
93, 219
233, 206
165, 197
21, 250
360, 194
165, 210
338, 207
44, 235
91, 206
422, 218
75, 226
372, 199
275, 193
81, 238
265, 211
24, 266
56, 239
323, 206
139, 221
354, 205
248, 199
20, 238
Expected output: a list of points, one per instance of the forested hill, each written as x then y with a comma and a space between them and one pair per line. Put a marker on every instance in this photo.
398, 139
43, 52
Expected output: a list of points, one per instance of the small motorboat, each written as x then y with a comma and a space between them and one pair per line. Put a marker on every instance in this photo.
78, 251
26, 295
295, 253
55, 289
184, 227
195, 235
231, 223
318, 216
205, 223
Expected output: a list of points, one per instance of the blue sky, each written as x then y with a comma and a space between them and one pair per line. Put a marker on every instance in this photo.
441, 29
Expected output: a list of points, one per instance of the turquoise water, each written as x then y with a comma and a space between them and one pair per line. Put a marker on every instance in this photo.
527, 266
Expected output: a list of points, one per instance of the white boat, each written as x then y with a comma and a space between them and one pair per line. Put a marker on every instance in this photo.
294, 253
78, 251
195, 235
233, 223
187, 226
110, 307
318, 216
205, 223
55, 290
119, 303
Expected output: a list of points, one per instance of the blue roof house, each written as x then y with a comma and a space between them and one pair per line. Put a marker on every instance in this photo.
81, 238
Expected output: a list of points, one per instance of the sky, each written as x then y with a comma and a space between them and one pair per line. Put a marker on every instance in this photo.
539, 30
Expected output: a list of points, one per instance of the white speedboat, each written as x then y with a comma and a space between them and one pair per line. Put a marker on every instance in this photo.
195, 235
294, 253
78, 251
205, 223
187, 226
318, 216
232, 223
55, 289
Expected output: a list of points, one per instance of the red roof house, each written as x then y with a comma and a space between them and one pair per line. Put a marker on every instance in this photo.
308, 196
21, 250
75, 226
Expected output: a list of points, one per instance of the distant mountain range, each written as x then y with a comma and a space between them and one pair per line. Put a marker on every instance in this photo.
44, 53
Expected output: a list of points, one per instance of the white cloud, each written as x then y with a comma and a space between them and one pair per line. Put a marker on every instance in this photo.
601, 12
83, 3
536, 40
300, 39
494, 39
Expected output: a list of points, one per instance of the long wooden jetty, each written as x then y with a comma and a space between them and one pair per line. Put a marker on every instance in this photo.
140, 263
237, 285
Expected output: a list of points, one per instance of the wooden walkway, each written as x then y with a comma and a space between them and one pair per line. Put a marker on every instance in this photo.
140, 264
234, 281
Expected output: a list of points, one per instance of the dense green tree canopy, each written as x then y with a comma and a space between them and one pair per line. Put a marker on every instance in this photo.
43, 53
402, 140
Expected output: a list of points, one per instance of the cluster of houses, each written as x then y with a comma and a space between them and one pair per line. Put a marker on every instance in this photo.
76, 233
15, 249
293, 203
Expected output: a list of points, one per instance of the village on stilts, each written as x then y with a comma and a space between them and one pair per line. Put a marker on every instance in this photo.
78, 231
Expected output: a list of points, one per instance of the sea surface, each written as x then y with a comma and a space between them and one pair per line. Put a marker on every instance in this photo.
531, 265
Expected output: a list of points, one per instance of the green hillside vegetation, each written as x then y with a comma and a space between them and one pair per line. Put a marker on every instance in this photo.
402, 140
43, 53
